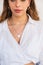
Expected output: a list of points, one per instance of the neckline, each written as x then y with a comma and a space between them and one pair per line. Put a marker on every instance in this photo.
10, 34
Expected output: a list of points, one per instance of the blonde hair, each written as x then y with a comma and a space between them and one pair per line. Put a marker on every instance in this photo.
6, 13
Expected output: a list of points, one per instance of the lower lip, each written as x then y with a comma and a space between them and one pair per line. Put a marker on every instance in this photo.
17, 11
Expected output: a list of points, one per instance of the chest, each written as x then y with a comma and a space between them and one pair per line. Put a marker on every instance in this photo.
14, 50
14, 53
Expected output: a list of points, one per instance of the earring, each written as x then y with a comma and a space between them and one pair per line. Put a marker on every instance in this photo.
8, 7
9, 12
28, 8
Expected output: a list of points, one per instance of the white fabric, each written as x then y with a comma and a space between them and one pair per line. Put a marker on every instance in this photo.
11, 53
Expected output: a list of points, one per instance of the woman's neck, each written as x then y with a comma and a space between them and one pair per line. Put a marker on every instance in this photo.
19, 20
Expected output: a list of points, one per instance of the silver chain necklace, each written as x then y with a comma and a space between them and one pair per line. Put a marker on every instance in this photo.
19, 34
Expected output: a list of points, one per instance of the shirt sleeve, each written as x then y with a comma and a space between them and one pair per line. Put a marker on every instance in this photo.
1, 56
35, 47
41, 55
1, 60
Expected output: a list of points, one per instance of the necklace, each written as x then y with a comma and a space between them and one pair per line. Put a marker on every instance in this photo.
18, 35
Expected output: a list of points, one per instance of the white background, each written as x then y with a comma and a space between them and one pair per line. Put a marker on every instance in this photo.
39, 5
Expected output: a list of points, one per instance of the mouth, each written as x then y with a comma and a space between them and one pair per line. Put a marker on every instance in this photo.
18, 10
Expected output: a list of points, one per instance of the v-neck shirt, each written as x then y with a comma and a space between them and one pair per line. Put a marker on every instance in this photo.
12, 53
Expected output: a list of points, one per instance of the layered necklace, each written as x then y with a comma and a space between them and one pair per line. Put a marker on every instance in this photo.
18, 35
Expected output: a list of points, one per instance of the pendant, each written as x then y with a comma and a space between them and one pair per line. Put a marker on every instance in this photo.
18, 35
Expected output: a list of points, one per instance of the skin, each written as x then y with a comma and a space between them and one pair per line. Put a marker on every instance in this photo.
18, 16
21, 5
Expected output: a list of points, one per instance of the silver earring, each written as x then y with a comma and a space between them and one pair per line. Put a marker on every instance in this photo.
29, 7
8, 7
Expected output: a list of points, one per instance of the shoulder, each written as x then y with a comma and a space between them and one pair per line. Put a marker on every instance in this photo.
1, 33
2, 25
35, 25
37, 29
41, 36
1, 30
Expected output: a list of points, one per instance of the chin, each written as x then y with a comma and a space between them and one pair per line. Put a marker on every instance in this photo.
18, 14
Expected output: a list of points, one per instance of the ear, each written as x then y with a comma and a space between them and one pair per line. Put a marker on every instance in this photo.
29, 1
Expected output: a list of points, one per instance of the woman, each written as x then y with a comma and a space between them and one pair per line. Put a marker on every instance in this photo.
19, 33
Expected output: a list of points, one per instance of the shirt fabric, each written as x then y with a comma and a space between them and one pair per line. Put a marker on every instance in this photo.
12, 53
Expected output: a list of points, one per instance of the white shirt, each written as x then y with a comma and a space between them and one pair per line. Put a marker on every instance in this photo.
11, 53
41, 58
